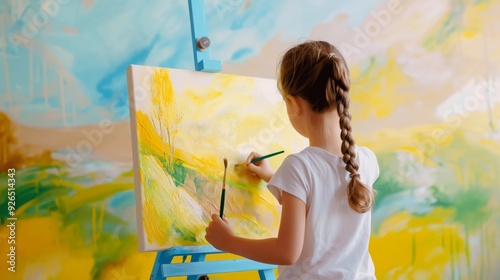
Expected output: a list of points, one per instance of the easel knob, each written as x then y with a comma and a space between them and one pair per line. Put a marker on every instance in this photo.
203, 43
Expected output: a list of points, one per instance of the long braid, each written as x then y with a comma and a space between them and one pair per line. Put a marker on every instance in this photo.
349, 155
360, 197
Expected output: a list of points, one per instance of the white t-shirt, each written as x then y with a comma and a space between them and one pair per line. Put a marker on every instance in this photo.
336, 238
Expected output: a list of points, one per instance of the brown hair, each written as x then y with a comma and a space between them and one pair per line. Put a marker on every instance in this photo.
317, 72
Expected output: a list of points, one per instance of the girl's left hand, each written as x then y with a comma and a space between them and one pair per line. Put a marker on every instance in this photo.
219, 233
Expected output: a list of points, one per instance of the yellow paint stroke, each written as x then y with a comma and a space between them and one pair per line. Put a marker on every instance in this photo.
475, 19
47, 250
149, 141
250, 205
166, 206
424, 246
101, 217
94, 234
164, 111
135, 265
97, 225
378, 95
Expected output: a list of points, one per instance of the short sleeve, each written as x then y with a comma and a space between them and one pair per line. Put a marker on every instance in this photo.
373, 166
291, 178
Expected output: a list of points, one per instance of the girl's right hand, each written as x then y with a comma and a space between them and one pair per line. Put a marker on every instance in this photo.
262, 168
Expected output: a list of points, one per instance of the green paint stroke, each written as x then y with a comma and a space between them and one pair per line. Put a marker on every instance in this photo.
112, 249
81, 218
448, 27
185, 234
179, 173
471, 207
37, 187
94, 194
387, 184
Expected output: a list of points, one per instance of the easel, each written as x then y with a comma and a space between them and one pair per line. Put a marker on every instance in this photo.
198, 268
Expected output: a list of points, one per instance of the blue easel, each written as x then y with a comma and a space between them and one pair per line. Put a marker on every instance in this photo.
198, 268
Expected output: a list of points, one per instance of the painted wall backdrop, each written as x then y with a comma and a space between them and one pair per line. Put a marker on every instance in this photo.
425, 99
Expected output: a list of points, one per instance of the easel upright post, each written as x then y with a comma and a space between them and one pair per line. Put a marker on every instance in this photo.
200, 39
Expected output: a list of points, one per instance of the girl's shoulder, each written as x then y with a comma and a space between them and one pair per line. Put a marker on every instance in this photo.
368, 159
366, 152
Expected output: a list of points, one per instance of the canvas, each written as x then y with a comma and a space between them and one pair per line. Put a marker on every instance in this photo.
184, 123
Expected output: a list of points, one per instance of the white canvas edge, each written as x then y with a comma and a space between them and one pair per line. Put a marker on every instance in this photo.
131, 72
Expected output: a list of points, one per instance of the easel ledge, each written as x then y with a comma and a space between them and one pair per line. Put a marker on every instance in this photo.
198, 266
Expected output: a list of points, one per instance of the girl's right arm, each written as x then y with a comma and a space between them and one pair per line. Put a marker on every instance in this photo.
261, 168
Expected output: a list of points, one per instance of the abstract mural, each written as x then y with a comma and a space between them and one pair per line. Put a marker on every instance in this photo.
425, 97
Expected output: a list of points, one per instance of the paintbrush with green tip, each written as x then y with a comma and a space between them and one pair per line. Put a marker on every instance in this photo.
260, 158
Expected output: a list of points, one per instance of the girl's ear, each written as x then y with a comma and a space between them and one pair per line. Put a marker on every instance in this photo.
294, 105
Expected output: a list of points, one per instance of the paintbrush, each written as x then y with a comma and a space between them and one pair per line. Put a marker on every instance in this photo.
223, 196
260, 158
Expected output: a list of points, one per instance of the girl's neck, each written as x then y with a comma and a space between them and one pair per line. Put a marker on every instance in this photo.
323, 131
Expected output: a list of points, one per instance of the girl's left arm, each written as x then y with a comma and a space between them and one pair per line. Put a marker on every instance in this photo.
282, 250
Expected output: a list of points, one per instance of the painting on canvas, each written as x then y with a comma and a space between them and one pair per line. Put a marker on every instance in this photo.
184, 123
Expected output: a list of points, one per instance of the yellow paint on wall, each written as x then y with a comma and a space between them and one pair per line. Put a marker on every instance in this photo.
475, 19
378, 95
134, 266
45, 251
409, 247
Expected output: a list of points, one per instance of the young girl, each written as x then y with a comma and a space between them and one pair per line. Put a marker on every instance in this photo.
325, 190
